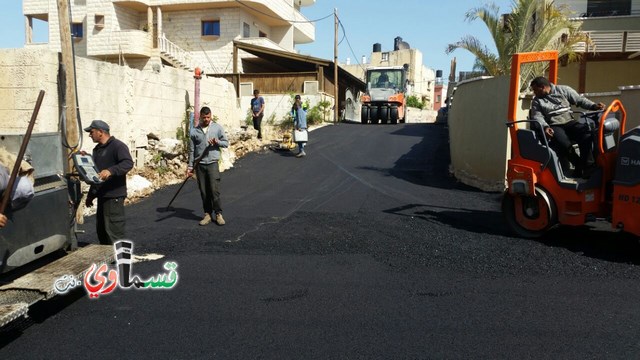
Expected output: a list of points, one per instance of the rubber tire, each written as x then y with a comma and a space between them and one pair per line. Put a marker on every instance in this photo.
393, 114
364, 115
384, 114
509, 212
373, 114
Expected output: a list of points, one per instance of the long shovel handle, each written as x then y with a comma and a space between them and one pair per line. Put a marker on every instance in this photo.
177, 192
23, 148
195, 163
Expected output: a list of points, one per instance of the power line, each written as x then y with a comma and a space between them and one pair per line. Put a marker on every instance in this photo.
349, 44
279, 18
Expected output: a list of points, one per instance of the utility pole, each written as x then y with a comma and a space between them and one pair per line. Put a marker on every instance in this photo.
68, 64
335, 67
196, 99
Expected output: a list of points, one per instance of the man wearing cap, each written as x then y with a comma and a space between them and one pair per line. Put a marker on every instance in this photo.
113, 161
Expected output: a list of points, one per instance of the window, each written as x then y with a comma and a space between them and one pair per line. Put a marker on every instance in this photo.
99, 20
608, 7
246, 30
385, 56
262, 34
210, 27
76, 30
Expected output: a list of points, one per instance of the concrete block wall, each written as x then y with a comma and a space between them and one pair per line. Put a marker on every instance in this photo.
133, 102
478, 137
23, 73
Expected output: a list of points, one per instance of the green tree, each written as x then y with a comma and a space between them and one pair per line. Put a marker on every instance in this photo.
532, 25
413, 101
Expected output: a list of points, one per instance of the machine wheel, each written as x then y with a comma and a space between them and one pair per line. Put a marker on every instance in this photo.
364, 115
393, 114
529, 217
373, 114
384, 114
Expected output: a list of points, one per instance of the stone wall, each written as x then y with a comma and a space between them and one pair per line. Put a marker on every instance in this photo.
478, 137
133, 102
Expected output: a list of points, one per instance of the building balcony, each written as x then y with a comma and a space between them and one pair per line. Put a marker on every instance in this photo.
611, 42
610, 13
35, 7
304, 31
274, 13
125, 42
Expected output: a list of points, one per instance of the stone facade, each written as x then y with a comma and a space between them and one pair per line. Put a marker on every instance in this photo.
129, 32
135, 103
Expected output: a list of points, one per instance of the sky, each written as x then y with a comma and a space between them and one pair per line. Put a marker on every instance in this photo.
427, 25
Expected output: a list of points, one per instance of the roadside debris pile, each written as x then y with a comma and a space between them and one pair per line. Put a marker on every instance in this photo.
165, 163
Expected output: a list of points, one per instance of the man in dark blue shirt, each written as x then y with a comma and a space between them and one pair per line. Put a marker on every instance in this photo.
257, 111
113, 161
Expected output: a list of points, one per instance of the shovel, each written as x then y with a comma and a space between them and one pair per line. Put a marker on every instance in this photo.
195, 164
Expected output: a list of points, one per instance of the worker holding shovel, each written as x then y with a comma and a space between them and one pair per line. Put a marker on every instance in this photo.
205, 142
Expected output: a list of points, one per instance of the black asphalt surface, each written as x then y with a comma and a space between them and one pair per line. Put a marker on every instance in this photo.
365, 249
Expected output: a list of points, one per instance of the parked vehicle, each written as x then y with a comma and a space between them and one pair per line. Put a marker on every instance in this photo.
46, 223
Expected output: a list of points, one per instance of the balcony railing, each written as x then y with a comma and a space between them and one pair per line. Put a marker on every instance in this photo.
604, 13
611, 41
175, 54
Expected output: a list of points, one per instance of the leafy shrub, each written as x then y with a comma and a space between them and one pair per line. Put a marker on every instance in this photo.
314, 116
414, 101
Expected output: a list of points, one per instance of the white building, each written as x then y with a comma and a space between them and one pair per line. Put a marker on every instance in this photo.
611, 58
182, 33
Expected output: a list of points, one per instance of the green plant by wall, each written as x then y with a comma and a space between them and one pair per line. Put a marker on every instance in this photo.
324, 107
314, 116
413, 101
272, 119
286, 124
161, 170
249, 118
182, 132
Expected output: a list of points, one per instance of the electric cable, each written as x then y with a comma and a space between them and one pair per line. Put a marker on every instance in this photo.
344, 31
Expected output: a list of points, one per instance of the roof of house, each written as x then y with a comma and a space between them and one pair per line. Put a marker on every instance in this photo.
292, 60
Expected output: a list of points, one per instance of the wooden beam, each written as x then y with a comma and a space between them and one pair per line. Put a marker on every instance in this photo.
235, 59
68, 63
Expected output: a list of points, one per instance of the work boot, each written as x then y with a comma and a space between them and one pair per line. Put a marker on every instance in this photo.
205, 220
219, 219
301, 154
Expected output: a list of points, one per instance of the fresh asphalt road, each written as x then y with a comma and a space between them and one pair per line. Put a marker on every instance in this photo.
365, 249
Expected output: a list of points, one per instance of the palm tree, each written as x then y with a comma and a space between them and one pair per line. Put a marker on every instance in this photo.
532, 25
